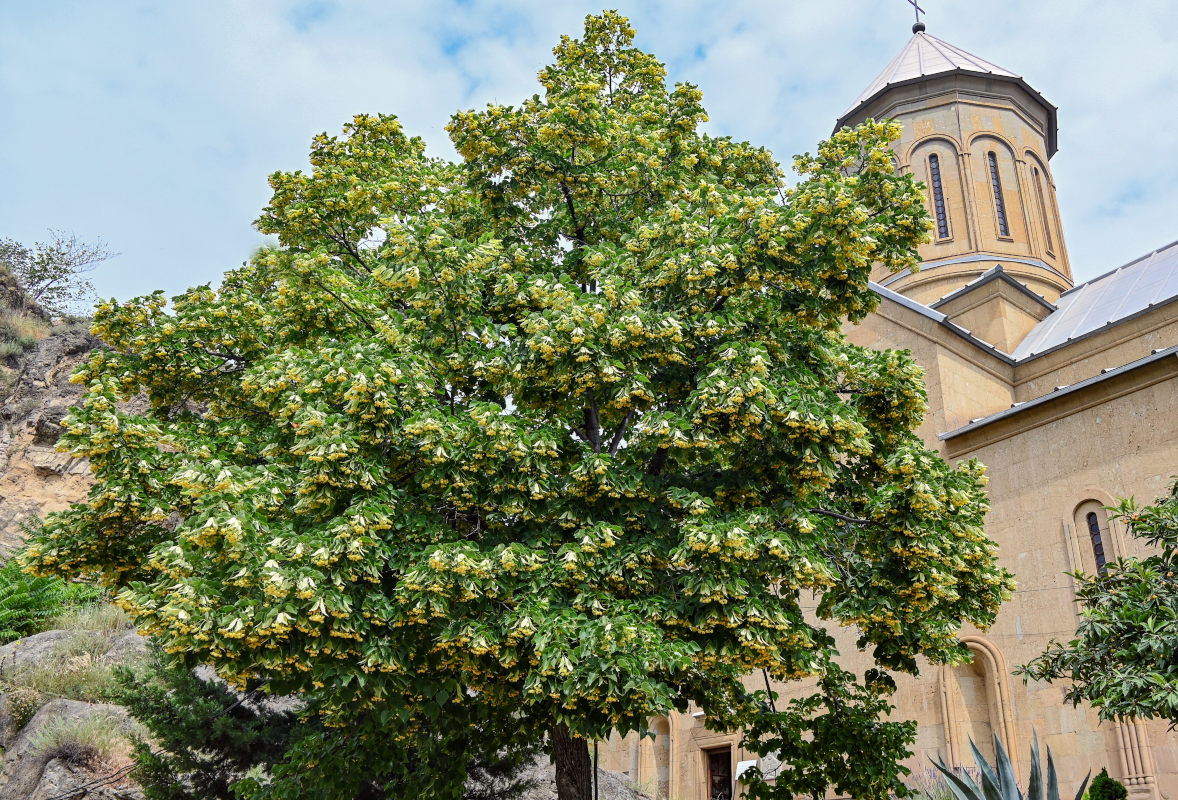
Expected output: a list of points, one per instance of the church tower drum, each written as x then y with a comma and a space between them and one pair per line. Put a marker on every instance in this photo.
979, 137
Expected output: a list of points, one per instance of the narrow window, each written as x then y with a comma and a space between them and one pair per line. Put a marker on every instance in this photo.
934, 172
1043, 209
1003, 227
1097, 542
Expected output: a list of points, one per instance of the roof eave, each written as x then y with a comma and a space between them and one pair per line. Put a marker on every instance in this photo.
1052, 111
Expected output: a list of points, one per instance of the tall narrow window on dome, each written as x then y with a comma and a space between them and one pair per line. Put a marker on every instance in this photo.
999, 206
1097, 541
934, 173
1043, 209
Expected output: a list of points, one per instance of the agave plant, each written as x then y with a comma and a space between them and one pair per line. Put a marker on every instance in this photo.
998, 781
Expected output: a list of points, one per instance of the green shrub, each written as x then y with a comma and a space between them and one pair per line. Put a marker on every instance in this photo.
1105, 788
26, 602
210, 743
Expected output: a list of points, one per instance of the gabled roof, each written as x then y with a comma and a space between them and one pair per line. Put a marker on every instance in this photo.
925, 57
994, 273
1106, 300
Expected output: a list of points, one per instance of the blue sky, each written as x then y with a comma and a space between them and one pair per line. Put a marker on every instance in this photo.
155, 124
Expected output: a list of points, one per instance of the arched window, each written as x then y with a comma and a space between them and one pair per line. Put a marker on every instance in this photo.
1043, 208
1097, 541
999, 205
942, 213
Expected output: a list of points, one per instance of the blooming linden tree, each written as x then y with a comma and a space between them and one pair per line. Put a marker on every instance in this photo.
567, 430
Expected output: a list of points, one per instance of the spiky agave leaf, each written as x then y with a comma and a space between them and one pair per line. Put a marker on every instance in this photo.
1008, 783
1053, 781
990, 784
1035, 783
962, 786
998, 781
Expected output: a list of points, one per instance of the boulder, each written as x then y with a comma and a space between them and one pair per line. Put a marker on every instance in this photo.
129, 646
38, 648
108, 782
26, 759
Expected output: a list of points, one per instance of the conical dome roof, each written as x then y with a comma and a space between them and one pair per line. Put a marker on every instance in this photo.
925, 57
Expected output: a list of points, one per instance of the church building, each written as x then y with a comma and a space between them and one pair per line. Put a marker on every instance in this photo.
1067, 393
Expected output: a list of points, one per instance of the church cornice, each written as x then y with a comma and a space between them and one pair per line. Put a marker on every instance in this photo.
1063, 401
1052, 112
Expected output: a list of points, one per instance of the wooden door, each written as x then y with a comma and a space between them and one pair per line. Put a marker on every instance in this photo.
720, 774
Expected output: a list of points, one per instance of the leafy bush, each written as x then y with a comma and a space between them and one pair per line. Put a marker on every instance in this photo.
27, 601
1105, 788
9, 348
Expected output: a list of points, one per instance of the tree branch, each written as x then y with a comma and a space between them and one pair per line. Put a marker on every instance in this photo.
659, 461
353, 311
593, 425
835, 515
616, 442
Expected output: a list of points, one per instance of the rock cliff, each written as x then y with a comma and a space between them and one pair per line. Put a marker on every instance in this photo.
34, 478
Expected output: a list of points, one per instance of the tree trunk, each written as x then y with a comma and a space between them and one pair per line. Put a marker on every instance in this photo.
574, 768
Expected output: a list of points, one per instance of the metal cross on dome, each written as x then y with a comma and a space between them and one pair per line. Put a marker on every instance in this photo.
918, 11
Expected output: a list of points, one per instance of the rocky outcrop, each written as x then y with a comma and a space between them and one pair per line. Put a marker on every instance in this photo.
61, 779
14, 298
36, 649
34, 478
45, 760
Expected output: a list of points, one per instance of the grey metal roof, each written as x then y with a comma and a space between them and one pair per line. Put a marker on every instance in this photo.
1113, 297
927, 56
923, 56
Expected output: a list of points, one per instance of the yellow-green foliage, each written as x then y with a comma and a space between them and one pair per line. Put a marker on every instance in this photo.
566, 432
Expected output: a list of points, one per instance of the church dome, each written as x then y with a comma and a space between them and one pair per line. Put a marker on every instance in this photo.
926, 57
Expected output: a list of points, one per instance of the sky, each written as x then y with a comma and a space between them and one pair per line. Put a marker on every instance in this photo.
154, 125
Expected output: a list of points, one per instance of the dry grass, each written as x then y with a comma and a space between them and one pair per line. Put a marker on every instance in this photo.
75, 669
103, 619
76, 677
23, 330
89, 741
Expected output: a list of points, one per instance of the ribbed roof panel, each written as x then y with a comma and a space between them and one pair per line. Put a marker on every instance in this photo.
1106, 300
923, 56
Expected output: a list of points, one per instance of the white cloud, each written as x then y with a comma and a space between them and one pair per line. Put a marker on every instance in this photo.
155, 125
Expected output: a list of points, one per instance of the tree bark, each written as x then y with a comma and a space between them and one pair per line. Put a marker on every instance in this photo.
574, 768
